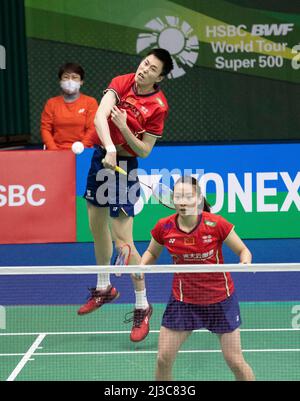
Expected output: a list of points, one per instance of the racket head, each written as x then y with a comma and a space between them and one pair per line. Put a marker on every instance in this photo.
164, 195
123, 257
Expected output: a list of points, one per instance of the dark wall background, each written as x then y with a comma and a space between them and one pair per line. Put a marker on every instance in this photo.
14, 100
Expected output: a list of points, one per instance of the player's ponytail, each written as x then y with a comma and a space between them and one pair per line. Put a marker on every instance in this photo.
206, 206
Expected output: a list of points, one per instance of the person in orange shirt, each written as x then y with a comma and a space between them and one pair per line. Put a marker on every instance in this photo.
69, 118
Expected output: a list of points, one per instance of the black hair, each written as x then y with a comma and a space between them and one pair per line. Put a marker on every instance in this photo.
187, 179
71, 67
164, 56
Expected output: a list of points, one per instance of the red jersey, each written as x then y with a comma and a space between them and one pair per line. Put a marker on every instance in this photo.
63, 123
202, 245
145, 113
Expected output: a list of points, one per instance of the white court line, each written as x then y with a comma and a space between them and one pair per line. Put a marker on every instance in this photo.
26, 357
194, 351
67, 333
155, 352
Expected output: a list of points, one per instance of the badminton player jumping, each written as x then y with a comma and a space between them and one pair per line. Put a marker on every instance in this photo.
198, 300
129, 120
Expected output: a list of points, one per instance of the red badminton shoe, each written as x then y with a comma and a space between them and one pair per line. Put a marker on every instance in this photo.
97, 299
141, 326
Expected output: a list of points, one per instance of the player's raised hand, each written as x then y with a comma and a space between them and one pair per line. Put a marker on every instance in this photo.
119, 117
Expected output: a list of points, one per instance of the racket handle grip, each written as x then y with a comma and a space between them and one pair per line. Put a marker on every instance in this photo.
120, 170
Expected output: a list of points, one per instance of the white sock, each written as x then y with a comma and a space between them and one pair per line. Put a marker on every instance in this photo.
103, 281
141, 300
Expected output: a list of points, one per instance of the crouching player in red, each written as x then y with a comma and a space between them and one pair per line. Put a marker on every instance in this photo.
198, 300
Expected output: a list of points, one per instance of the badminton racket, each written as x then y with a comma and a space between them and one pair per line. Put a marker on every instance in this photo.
160, 191
123, 257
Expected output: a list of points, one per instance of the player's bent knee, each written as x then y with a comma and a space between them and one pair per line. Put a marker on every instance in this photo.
234, 361
165, 360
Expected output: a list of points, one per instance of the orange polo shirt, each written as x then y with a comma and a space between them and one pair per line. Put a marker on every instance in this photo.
64, 123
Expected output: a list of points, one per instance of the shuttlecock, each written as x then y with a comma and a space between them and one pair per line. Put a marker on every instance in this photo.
77, 148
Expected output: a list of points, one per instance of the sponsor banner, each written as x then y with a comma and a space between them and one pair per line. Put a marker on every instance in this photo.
218, 35
256, 187
37, 202
236, 63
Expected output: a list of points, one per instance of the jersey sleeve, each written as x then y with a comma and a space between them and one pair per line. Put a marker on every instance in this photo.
224, 228
119, 85
157, 233
155, 125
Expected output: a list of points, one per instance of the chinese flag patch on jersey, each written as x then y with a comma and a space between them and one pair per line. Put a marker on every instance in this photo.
189, 241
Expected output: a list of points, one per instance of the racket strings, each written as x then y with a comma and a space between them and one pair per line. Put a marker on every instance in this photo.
164, 195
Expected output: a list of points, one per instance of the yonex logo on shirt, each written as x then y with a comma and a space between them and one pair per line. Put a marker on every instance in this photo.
81, 111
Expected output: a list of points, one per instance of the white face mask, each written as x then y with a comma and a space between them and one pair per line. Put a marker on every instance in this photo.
70, 87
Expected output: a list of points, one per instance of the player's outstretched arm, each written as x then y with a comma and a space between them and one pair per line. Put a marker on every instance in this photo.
152, 253
238, 247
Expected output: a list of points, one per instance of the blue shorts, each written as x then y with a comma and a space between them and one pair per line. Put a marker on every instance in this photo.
105, 188
222, 317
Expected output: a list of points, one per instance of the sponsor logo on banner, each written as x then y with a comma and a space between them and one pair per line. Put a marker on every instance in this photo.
296, 58
37, 200
248, 47
176, 36
256, 188
237, 190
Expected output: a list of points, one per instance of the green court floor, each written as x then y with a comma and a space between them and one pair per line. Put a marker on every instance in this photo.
53, 343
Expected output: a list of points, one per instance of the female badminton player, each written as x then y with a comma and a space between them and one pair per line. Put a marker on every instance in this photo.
198, 300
